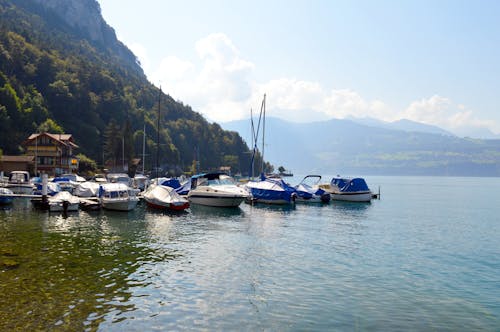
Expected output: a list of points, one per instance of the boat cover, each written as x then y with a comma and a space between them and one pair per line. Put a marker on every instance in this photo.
271, 189
307, 192
160, 194
350, 185
112, 187
86, 189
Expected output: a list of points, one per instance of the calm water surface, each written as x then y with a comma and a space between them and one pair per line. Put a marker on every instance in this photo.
424, 257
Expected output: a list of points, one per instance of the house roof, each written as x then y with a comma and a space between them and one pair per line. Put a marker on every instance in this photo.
18, 159
66, 139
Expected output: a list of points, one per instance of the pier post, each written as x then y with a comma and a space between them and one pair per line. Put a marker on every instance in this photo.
45, 180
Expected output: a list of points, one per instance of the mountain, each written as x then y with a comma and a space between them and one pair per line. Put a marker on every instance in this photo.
403, 124
62, 69
350, 148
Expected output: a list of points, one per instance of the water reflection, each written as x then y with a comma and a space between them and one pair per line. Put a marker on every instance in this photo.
71, 271
211, 211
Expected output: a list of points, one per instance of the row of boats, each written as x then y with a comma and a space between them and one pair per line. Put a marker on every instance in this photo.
218, 189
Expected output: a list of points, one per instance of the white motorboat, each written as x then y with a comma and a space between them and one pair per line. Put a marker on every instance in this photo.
19, 183
140, 181
216, 189
63, 201
117, 196
164, 198
348, 189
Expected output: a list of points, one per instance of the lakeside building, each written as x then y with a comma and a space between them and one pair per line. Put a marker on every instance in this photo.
16, 163
53, 153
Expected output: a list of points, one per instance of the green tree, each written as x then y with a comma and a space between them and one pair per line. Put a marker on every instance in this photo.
86, 165
112, 143
50, 126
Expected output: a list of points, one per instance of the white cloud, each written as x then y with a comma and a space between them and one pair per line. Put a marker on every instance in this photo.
442, 112
220, 86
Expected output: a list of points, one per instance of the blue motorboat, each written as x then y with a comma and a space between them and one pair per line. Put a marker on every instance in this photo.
308, 190
271, 190
348, 189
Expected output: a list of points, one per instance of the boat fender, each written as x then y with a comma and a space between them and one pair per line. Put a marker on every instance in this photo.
293, 196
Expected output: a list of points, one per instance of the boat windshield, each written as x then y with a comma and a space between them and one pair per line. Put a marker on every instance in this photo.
18, 177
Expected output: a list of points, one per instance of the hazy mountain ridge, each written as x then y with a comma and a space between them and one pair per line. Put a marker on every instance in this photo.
347, 147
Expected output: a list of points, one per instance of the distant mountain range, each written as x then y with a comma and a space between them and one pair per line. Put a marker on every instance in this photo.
403, 124
371, 147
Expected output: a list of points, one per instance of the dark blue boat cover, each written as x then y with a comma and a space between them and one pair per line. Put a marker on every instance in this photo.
350, 185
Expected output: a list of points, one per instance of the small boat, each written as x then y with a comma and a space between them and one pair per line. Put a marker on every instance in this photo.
6, 196
271, 191
348, 189
117, 196
164, 198
52, 187
63, 201
216, 189
19, 183
140, 181
65, 183
308, 190
119, 178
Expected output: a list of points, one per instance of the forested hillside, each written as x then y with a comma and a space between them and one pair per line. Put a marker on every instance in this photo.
60, 77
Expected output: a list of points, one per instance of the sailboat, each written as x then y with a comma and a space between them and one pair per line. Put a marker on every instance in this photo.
159, 196
268, 190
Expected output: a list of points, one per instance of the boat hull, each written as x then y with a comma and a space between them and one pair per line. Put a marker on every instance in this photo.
167, 206
215, 200
352, 196
21, 189
119, 205
59, 207
6, 200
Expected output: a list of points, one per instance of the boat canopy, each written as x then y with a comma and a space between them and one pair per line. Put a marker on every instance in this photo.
169, 182
350, 185
112, 187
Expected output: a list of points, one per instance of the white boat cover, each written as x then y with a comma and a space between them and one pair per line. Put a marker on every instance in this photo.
86, 189
163, 195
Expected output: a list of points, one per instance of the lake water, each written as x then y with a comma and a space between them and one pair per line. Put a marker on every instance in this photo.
424, 257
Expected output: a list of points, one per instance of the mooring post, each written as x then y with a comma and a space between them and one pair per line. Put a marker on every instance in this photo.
45, 180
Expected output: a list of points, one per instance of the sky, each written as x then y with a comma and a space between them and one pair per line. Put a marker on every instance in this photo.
435, 62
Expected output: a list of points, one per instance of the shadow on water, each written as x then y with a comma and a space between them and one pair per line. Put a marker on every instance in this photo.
68, 272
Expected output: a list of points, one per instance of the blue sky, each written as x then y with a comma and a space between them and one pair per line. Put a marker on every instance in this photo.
434, 62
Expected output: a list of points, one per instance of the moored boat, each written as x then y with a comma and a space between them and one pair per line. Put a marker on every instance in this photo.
308, 190
117, 196
216, 189
348, 189
271, 191
164, 198
19, 183
63, 201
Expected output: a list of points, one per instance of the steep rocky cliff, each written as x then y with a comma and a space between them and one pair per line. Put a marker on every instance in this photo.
84, 17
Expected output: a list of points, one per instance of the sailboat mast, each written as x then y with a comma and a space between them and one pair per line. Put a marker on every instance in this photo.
158, 136
263, 110
143, 148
